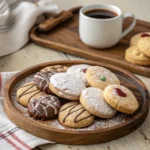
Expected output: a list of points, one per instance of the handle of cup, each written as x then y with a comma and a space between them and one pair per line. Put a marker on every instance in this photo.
126, 31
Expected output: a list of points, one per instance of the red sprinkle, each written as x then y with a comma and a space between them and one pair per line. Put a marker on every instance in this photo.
120, 93
84, 70
145, 35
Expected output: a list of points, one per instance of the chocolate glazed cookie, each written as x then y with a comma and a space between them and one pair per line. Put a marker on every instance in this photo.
42, 78
44, 107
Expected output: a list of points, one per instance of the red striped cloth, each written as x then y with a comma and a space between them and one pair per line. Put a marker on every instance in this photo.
11, 136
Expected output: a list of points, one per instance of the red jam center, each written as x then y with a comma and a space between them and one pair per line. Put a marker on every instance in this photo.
84, 70
120, 93
145, 35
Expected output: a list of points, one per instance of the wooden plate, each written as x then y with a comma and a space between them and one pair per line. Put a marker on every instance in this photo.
103, 130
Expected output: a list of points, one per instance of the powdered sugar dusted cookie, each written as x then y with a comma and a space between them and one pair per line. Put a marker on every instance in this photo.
26, 92
79, 71
93, 101
66, 86
44, 107
74, 115
121, 98
100, 77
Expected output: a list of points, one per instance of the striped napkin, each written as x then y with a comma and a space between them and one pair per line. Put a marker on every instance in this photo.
11, 136
16, 19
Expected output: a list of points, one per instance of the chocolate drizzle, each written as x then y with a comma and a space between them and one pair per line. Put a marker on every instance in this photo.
71, 111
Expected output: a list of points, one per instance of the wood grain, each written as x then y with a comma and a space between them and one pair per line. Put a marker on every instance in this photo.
76, 137
65, 38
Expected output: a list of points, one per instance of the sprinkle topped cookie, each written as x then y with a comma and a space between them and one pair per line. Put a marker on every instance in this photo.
144, 46
74, 115
134, 56
93, 101
79, 71
121, 98
134, 40
26, 92
100, 77
66, 86
44, 107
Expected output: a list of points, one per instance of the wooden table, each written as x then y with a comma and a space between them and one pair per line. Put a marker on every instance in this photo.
32, 54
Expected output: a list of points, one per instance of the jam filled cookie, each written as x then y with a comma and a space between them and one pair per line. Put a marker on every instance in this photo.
134, 40
100, 77
93, 101
134, 56
79, 71
66, 86
54, 69
26, 92
144, 46
44, 107
74, 115
121, 98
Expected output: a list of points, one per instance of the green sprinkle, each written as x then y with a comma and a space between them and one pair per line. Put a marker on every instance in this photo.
103, 78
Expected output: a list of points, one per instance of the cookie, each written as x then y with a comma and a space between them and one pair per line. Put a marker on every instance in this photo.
42, 81
66, 86
100, 77
134, 56
26, 92
79, 71
51, 70
121, 98
44, 107
92, 100
144, 46
74, 115
134, 40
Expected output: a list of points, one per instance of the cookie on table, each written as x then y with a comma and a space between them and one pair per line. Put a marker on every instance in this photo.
74, 115
134, 40
100, 77
144, 46
121, 98
54, 69
134, 56
92, 100
44, 107
79, 71
26, 92
66, 86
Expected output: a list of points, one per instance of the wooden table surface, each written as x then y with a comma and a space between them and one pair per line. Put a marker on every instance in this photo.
32, 54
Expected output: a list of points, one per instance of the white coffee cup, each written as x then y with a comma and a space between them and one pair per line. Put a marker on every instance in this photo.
103, 33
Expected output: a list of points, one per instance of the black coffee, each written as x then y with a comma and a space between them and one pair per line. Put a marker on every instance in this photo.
101, 14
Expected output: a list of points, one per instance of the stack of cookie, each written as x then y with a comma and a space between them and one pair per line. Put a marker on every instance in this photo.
139, 52
76, 95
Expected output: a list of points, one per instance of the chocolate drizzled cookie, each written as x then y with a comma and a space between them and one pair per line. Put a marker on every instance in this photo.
73, 114
44, 107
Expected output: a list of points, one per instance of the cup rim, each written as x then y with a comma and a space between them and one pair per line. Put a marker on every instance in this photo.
109, 19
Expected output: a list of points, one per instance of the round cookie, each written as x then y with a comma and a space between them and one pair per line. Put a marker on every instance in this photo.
54, 69
66, 86
42, 80
92, 100
134, 40
26, 92
100, 77
74, 115
121, 98
134, 56
44, 107
144, 46
79, 71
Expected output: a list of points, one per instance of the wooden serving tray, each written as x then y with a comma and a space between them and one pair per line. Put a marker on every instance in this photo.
102, 130
64, 37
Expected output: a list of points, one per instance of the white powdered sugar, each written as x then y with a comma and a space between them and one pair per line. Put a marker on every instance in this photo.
67, 83
79, 71
93, 97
